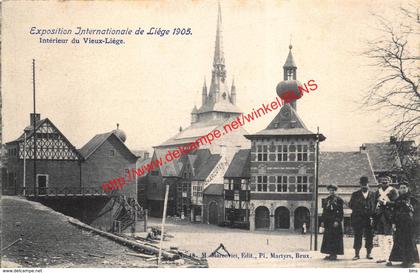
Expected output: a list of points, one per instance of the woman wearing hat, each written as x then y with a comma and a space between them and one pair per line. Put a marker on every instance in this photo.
404, 249
332, 216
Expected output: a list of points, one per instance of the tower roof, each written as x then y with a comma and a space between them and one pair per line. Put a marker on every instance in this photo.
286, 123
290, 61
218, 57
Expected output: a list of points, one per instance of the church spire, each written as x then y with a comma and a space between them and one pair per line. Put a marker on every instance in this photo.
219, 59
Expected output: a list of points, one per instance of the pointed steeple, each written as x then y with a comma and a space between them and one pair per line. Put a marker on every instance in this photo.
289, 67
218, 58
204, 93
219, 71
233, 92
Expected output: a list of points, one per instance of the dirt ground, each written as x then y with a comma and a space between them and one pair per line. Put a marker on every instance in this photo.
259, 248
49, 240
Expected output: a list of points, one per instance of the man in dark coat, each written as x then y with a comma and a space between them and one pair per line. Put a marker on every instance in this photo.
362, 204
385, 197
404, 249
332, 216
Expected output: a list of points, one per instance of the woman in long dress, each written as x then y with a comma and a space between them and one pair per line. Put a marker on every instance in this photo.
404, 249
332, 216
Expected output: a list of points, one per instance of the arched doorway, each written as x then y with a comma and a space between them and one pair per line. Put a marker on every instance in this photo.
282, 218
302, 215
213, 213
262, 217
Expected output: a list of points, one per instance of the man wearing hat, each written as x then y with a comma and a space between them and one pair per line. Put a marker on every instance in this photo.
362, 204
404, 249
385, 197
332, 216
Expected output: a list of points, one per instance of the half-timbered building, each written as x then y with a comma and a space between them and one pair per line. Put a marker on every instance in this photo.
58, 163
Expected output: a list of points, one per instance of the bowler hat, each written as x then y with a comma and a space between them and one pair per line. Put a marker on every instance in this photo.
404, 182
332, 186
364, 180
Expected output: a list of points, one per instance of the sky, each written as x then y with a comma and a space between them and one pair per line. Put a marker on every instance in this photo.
150, 84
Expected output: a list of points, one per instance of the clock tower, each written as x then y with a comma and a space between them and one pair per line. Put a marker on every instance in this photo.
282, 168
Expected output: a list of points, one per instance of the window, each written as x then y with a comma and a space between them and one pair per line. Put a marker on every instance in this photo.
236, 196
227, 184
262, 153
197, 190
272, 185
282, 184
262, 183
236, 184
282, 152
302, 184
302, 152
244, 185
112, 152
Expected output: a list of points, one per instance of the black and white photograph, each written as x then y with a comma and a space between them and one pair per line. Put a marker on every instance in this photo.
210, 134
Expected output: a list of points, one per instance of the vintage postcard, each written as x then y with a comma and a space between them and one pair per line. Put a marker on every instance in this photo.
210, 134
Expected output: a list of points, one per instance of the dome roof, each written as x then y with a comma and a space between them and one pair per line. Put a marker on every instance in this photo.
120, 134
289, 89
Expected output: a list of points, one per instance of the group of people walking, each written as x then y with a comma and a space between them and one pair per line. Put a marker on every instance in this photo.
388, 213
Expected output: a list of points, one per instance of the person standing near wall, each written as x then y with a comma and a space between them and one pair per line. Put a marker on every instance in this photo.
332, 216
385, 197
362, 204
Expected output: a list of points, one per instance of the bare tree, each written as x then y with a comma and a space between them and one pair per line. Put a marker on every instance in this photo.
395, 56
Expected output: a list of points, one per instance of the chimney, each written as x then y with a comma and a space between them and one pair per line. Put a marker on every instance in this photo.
146, 155
362, 148
392, 139
37, 118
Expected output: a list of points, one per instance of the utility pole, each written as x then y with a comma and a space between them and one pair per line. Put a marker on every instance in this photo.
316, 189
165, 204
34, 123
24, 165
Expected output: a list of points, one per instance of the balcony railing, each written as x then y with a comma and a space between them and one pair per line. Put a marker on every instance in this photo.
63, 191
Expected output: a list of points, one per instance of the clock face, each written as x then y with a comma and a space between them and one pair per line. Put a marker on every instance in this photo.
285, 113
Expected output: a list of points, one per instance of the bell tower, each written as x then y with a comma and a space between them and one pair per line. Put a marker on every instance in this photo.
289, 67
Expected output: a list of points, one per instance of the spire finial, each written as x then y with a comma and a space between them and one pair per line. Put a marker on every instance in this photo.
290, 42
118, 125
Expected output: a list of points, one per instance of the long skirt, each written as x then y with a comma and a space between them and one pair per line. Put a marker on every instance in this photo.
332, 242
404, 249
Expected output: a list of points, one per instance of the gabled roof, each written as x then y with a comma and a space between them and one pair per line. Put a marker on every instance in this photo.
206, 167
214, 189
344, 168
30, 131
240, 165
92, 145
383, 156
168, 169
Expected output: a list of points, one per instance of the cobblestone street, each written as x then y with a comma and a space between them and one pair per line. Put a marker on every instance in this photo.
257, 249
